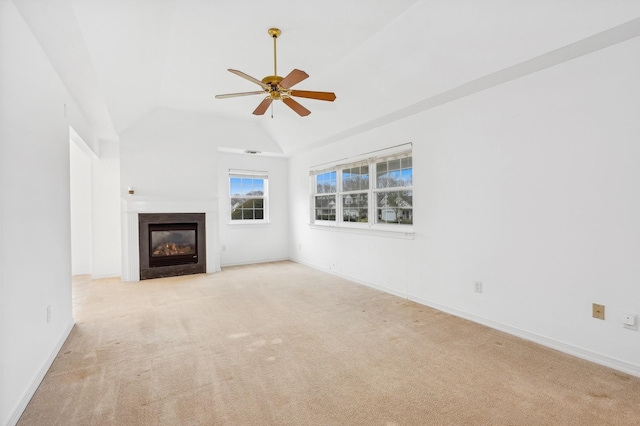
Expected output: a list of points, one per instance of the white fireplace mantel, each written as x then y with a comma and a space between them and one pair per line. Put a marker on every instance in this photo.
133, 205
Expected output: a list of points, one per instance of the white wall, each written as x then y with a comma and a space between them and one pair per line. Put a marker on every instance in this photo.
105, 214
174, 152
530, 187
172, 156
80, 210
95, 210
169, 153
34, 214
252, 243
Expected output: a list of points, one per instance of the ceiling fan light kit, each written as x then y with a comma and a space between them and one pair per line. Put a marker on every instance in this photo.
279, 88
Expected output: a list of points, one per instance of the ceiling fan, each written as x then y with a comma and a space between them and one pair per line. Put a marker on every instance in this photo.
279, 88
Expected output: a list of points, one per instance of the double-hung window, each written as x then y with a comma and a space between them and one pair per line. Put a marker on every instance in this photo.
355, 194
248, 194
377, 190
393, 192
325, 196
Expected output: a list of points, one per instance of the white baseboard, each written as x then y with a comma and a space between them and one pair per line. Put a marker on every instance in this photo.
576, 351
251, 262
24, 401
106, 275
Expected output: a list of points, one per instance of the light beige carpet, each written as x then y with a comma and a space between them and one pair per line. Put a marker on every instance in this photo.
283, 344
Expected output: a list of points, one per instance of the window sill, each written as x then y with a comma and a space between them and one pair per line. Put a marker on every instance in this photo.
241, 223
390, 231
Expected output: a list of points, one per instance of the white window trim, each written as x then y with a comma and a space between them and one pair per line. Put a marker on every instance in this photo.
252, 174
372, 226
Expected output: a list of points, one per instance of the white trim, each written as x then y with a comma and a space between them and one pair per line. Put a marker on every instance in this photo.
18, 410
106, 275
251, 262
389, 231
248, 222
248, 173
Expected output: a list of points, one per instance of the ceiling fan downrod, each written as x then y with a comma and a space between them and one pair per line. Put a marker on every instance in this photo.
275, 33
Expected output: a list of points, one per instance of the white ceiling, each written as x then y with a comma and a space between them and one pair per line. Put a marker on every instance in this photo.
122, 59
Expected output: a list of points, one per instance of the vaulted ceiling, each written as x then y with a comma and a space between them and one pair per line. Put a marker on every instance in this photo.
122, 59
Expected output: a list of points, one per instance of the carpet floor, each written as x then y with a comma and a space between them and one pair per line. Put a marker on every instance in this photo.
283, 344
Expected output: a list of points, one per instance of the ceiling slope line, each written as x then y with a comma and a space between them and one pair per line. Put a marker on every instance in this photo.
599, 41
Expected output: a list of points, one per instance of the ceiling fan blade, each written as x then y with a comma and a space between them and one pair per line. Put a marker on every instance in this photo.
321, 96
293, 78
235, 95
248, 77
264, 105
302, 111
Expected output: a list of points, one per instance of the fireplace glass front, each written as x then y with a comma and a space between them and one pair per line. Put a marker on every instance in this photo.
173, 244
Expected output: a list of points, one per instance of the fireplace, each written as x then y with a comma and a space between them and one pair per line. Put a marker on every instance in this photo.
171, 244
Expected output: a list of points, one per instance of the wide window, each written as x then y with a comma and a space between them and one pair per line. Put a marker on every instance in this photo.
248, 192
375, 191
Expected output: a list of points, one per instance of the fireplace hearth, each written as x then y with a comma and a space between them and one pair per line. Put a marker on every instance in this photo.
171, 244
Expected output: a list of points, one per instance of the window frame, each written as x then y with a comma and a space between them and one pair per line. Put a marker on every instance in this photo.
249, 174
372, 191
393, 189
325, 194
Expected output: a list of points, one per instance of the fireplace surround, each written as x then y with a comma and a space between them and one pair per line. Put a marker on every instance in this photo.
171, 244
134, 205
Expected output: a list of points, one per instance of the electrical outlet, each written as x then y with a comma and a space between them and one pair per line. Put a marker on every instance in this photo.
48, 314
630, 321
598, 311
477, 286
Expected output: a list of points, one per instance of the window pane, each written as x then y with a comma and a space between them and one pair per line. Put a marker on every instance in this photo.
258, 186
395, 207
259, 213
236, 202
394, 173
246, 186
355, 179
355, 207
395, 178
407, 177
382, 179
234, 186
326, 183
325, 208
